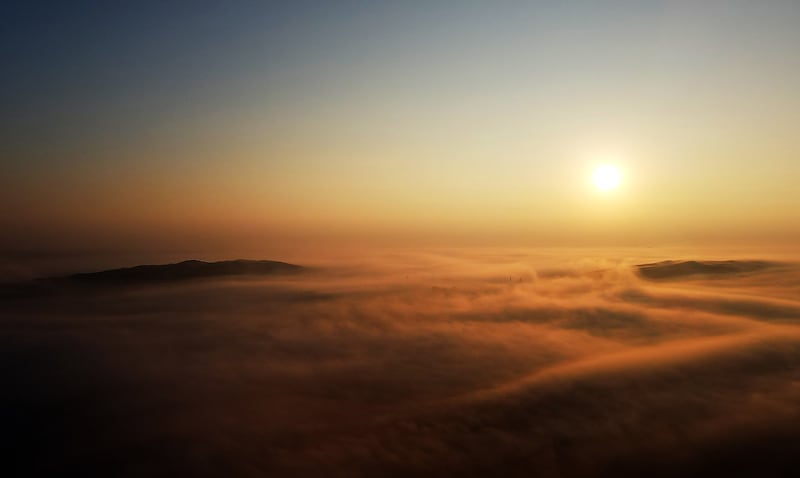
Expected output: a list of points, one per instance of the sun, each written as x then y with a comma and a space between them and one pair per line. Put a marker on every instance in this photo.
606, 177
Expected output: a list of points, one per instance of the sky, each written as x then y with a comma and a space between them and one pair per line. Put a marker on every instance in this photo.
219, 124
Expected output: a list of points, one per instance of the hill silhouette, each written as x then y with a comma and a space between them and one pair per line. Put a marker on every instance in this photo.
678, 269
186, 270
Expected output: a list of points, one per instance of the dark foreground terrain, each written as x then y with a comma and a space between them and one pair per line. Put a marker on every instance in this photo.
436, 365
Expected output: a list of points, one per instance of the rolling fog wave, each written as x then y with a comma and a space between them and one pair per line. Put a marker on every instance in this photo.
428, 365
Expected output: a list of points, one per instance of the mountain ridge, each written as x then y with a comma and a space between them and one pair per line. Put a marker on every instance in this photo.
179, 271
676, 268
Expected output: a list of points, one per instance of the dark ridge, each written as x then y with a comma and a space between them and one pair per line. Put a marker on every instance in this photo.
185, 270
678, 269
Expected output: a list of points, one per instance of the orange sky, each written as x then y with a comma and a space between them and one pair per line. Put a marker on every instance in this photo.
455, 124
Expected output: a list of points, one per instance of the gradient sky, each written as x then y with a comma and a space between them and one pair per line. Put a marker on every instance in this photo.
456, 121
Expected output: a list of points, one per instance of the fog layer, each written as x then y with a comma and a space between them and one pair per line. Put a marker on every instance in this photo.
427, 364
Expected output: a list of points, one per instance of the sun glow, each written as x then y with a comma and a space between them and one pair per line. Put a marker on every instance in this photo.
606, 177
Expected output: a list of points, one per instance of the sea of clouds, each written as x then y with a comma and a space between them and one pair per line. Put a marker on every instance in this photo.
448, 363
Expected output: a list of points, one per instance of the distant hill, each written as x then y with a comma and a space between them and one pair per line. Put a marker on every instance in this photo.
678, 269
180, 271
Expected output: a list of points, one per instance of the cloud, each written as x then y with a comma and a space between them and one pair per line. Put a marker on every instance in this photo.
410, 364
